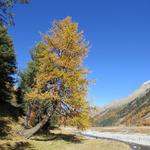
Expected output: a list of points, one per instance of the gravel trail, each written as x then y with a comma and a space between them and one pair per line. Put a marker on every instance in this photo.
136, 141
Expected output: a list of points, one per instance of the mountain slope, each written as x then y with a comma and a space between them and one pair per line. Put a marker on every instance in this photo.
132, 110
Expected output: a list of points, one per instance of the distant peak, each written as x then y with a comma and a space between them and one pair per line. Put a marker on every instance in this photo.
146, 82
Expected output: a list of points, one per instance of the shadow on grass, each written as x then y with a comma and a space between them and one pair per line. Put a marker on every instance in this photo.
66, 137
16, 146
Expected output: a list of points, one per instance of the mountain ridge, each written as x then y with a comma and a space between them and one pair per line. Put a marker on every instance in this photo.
125, 111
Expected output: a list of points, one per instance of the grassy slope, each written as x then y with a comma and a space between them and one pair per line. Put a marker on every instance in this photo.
8, 120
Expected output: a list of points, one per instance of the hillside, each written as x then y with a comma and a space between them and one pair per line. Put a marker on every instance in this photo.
10, 121
132, 110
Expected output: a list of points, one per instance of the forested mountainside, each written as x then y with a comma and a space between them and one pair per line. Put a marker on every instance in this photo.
133, 110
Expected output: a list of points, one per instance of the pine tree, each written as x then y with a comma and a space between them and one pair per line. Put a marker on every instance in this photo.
7, 65
61, 80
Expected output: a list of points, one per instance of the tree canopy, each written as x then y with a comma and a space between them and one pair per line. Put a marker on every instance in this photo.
61, 80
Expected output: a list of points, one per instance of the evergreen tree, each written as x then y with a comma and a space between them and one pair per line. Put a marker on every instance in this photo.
27, 76
7, 65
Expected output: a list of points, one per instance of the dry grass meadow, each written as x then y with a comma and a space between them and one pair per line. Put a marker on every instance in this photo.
61, 139
123, 129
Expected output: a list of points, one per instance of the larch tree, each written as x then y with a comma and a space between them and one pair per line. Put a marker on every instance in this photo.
61, 80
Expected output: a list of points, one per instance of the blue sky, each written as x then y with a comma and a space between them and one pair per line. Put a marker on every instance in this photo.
119, 35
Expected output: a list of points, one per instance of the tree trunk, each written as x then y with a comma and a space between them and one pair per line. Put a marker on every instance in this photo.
29, 132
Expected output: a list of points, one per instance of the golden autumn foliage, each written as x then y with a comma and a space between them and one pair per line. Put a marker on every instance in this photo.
61, 76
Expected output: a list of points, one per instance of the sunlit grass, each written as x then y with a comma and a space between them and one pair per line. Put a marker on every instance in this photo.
64, 145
